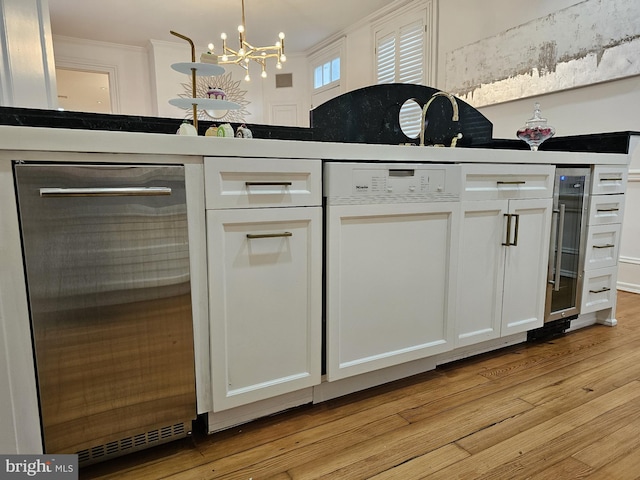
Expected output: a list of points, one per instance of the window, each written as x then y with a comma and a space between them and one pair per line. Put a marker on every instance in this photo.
400, 55
326, 73
325, 67
404, 52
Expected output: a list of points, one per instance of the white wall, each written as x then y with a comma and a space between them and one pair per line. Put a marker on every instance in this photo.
127, 66
261, 93
27, 72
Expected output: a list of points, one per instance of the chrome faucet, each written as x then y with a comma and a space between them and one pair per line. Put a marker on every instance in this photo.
454, 118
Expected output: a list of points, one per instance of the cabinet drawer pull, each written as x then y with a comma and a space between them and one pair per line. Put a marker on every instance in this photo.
608, 209
515, 182
602, 290
269, 235
610, 179
267, 184
608, 245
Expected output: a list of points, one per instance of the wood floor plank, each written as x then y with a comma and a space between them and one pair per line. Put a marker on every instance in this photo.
531, 462
379, 454
505, 453
424, 464
565, 395
569, 468
627, 468
560, 408
528, 381
610, 448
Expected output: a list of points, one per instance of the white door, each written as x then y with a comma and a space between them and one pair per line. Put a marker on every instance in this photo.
480, 271
265, 281
389, 284
526, 266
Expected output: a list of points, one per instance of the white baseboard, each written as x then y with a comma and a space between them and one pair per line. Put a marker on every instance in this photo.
628, 287
628, 274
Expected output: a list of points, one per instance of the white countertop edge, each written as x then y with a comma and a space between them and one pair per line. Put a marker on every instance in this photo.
19, 138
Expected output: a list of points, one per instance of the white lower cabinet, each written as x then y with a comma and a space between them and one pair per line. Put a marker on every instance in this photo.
504, 250
390, 284
265, 279
501, 288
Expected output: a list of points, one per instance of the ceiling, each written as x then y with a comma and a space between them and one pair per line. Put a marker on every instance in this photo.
134, 22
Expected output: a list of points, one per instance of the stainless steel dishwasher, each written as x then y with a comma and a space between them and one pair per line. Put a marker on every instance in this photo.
107, 265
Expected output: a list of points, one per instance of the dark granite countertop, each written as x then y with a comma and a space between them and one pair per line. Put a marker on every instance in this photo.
611, 142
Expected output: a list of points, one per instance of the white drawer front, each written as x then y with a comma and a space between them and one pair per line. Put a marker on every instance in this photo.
602, 246
599, 290
260, 182
495, 182
609, 179
606, 209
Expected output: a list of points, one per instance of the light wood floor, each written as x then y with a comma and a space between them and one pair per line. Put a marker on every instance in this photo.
557, 409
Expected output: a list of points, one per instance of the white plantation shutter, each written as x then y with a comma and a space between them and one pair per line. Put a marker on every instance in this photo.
411, 53
400, 54
386, 59
400, 58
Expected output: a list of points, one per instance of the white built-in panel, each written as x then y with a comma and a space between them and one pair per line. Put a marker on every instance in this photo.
390, 284
606, 209
495, 182
609, 179
603, 244
265, 277
258, 182
599, 290
525, 278
480, 271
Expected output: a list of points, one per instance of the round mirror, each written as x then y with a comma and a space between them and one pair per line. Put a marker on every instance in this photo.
410, 117
217, 114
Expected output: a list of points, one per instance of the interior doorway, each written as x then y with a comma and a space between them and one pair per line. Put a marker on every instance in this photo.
83, 91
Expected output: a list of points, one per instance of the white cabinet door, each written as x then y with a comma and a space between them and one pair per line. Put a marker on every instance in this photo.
526, 266
390, 284
501, 288
265, 274
480, 271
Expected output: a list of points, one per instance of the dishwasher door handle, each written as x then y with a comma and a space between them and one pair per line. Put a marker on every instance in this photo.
105, 192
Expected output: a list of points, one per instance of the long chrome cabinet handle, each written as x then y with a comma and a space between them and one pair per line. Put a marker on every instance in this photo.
607, 245
104, 192
269, 235
602, 290
556, 285
267, 184
515, 182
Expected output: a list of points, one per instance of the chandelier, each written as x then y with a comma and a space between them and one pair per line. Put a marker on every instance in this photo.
247, 52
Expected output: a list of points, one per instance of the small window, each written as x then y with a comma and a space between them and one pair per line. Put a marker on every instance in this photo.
326, 73
405, 45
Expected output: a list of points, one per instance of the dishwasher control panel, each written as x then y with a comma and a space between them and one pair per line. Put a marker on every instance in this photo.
353, 183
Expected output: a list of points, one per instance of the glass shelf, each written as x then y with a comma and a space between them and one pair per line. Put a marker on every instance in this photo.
204, 103
202, 69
